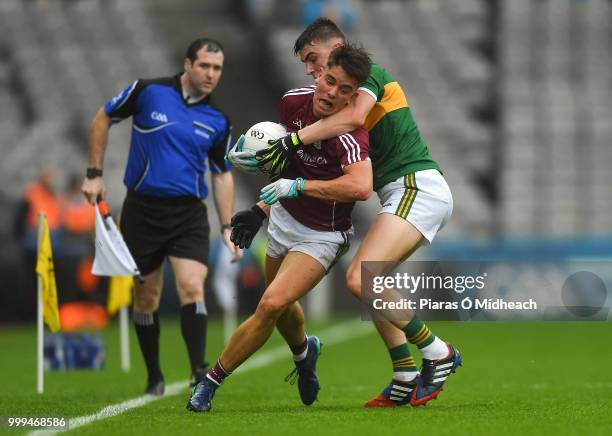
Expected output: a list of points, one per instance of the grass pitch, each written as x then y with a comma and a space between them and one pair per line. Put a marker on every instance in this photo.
517, 378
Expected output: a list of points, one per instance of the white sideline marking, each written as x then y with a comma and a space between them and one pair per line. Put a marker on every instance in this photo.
333, 335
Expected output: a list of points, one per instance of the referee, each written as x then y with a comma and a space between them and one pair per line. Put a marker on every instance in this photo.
175, 128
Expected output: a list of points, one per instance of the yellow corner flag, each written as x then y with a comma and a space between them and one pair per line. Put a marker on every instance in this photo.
45, 270
119, 293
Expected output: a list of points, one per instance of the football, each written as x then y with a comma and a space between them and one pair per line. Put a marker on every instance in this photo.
257, 137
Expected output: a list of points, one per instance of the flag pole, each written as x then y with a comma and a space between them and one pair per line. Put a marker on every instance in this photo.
124, 339
39, 318
40, 335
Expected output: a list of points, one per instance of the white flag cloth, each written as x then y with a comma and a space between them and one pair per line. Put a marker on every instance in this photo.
112, 255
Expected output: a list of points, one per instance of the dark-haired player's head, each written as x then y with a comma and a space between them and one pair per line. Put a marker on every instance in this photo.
355, 61
338, 82
204, 65
316, 42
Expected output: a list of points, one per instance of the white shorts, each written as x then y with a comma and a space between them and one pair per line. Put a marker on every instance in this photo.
422, 198
286, 234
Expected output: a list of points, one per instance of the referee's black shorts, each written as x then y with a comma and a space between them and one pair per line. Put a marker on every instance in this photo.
155, 227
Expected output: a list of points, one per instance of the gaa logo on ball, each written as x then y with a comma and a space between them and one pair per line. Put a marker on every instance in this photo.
258, 134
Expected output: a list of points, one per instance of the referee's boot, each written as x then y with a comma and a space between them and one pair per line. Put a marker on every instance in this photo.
305, 372
198, 375
155, 387
202, 395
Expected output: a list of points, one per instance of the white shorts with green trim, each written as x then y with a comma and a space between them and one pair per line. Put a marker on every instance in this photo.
422, 198
286, 234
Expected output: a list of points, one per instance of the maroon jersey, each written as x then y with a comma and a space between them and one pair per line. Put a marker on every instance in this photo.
319, 161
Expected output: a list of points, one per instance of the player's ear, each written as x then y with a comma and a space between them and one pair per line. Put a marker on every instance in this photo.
187, 64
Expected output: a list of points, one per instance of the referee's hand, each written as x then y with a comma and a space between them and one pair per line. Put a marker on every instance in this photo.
92, 189
236, 251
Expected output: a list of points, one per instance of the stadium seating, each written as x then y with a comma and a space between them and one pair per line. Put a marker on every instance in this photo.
69, 56
557, 117
60, 59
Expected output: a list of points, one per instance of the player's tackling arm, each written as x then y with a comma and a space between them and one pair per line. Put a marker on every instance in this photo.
354, 185
98, 139
348, 119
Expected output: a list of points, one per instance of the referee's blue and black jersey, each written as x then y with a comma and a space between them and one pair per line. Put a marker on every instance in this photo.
170, 138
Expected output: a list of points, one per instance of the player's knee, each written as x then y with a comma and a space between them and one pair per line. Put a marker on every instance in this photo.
271, 307
353, 281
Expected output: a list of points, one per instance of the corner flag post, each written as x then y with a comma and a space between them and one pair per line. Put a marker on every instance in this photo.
46, 294
40, 337
124, 338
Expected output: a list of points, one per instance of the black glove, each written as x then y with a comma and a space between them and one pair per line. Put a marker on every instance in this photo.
274, 159
245, 225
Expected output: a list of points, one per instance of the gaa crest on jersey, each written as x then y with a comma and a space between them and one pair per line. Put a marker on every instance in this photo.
159, 116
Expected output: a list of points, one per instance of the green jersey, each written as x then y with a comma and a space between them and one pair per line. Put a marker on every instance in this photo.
396, 146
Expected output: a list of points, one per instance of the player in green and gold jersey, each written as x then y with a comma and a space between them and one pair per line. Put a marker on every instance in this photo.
400, 150
416, 203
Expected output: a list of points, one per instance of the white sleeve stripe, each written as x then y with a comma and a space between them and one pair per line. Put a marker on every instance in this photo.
357, 150
366, 90
352, 143
352, 138
351, 153
348, 153
127, 96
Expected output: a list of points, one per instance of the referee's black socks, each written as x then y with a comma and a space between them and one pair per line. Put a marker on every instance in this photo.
194, 322
147, 330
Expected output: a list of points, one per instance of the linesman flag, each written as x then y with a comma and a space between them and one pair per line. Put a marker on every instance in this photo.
112, 255
114, 259
119, 293
46, 272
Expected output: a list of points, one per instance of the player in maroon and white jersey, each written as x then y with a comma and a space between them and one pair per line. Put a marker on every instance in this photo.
320, 161
309, 226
